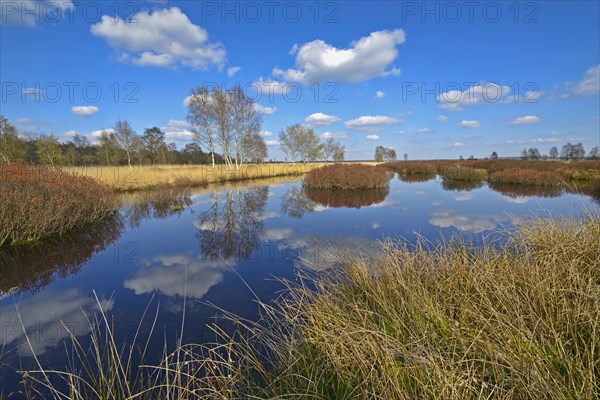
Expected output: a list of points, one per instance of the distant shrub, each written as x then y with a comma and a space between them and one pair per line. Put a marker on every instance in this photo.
40, 201
527, 177
347, 176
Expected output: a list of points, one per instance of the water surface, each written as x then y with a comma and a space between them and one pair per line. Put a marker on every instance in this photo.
222, 248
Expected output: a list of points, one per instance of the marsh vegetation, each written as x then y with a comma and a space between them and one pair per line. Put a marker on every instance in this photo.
36, 202
414, 321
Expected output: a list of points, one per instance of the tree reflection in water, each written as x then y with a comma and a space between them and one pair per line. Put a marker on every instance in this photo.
347, 198
233, 223
295, 204
514, 190
30, 267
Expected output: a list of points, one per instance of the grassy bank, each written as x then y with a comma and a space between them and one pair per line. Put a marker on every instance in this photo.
36, 202
148, 177
445, 321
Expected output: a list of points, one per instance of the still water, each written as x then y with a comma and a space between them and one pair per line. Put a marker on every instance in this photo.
220, 249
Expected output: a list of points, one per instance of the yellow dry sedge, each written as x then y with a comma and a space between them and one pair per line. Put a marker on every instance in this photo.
143, 177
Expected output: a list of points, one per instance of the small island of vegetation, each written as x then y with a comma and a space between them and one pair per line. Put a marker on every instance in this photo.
347, 177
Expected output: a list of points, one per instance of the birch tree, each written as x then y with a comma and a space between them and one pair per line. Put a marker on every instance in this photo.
300, 142
246, 122
221, 104
201, 116
125, 137
12, 147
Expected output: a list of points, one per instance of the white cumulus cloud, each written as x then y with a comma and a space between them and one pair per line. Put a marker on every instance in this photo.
270, 87
176, 129
334, 135
371, 122
160, 38
264, 109
231, 71
372, 137
469, 123
320, 119
379, 94
84, 111
457, 144
366, 58
442, 118
482, 93
526, 119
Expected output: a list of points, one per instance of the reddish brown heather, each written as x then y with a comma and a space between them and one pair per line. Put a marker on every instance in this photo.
40, 201
586, 170
527, 177
347, 176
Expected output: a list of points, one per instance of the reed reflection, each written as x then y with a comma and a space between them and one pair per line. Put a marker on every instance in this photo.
28, 268
347, 198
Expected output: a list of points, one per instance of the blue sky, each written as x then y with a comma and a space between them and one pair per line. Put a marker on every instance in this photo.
434, 79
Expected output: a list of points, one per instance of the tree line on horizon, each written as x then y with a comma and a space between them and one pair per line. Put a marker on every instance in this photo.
568, 151
226, 130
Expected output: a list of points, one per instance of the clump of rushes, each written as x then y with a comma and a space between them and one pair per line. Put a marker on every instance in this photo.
444, 321
347, 176
36, 202
463, 173
527, 177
